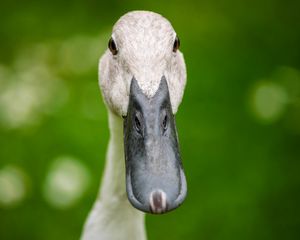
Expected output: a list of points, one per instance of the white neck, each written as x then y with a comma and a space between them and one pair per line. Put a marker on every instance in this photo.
112, 216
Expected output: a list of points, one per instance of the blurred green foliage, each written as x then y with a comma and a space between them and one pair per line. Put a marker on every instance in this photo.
239, 123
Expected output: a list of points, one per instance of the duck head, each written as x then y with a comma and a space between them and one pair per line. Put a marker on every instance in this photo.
142, 78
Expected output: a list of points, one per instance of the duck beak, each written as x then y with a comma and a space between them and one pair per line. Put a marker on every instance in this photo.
155, 180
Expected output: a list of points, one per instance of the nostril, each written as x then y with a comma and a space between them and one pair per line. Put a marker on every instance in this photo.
165, 122
158, 202
138, 123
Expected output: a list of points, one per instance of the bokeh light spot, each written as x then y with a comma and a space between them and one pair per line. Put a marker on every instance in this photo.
268, 101
12, 186
28, 94
66, 182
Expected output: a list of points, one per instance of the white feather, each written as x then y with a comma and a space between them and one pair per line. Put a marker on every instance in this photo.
145, 50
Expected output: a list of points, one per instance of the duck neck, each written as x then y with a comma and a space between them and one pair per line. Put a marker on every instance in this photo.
112, 216
113, 180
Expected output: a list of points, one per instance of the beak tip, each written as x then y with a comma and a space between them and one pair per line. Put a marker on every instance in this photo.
158, 202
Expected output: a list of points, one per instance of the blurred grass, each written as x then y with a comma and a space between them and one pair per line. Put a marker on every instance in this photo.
242, 169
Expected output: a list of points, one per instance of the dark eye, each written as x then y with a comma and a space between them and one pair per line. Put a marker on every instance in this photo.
112, 46
176, 44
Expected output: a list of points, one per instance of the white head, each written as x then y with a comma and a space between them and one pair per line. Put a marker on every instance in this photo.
144, 42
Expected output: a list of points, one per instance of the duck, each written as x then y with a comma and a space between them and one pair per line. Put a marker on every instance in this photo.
142, 77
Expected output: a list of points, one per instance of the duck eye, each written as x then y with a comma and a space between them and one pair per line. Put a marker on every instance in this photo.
176, 44
112, 46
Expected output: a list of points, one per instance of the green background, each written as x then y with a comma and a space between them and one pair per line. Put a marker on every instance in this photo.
238, 124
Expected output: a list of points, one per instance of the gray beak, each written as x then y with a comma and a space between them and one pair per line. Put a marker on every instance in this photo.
155, 179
